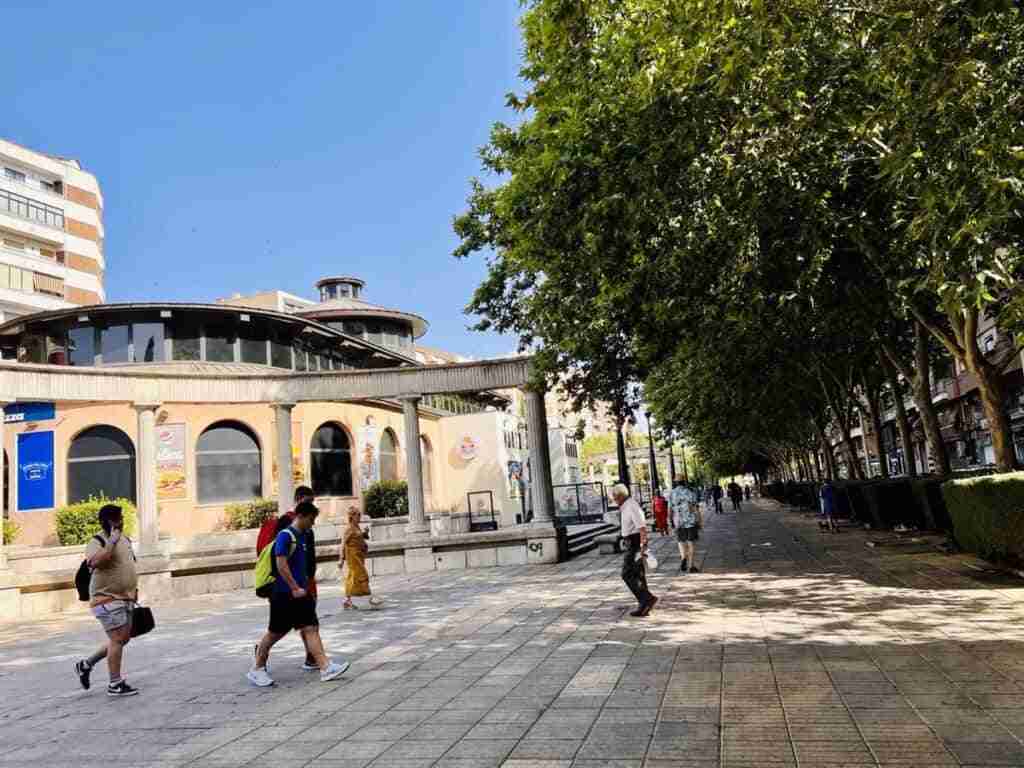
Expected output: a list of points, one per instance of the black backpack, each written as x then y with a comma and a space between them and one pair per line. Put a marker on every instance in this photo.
84, 575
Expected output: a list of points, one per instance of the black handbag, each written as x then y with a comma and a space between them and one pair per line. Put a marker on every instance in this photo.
142, 621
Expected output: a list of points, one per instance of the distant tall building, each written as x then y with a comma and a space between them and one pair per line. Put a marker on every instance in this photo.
51, 233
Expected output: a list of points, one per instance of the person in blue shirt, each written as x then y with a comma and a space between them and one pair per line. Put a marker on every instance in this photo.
828, 508
291, 605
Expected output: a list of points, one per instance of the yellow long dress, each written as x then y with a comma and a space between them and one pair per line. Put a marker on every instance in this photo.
357, 580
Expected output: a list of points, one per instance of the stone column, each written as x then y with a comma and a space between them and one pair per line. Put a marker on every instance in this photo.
540, 459
283, 429
149, 520
418, 525
10, 493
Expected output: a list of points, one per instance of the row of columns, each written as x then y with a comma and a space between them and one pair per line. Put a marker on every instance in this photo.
418, 526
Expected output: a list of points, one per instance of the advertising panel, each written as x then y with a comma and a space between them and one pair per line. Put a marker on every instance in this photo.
35, 471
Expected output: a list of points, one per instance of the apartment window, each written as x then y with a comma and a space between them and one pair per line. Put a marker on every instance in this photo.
52, 186
26, 208
990, 342
14, 175
16, 279
14, 245
148, 342
51, 286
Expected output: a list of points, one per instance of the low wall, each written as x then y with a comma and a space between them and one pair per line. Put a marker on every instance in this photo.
41, 582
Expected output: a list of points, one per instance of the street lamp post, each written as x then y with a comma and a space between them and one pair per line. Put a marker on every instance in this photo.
653, 460
671, 462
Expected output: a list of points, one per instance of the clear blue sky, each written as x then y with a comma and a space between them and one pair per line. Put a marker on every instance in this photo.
244, 148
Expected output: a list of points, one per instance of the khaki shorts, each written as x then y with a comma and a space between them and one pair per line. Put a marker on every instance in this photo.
114, 615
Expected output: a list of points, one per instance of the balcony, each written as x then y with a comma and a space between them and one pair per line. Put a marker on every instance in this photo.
33, 211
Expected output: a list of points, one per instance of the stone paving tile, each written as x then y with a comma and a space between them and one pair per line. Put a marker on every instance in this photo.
816, 648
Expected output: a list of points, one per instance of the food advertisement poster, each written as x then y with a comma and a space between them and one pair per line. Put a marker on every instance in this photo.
170, 461
369, 460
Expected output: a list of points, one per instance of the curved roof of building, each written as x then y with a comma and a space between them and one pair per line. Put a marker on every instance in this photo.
340, 279
348, 308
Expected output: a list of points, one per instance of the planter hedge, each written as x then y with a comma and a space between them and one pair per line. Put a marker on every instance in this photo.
988, 515
77, 523
387, 498
244, 515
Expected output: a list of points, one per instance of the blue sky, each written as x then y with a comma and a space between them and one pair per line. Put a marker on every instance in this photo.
245, 148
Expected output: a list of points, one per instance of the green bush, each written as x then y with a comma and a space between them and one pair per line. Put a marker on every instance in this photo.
988, 515
387, 498
77, 523
249, 514
11, 531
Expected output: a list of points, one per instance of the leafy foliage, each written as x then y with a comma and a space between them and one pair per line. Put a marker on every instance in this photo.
387, 498
11, 531
244, 515
77, 523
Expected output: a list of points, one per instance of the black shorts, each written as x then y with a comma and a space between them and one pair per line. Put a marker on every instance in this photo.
288, 613
688, 534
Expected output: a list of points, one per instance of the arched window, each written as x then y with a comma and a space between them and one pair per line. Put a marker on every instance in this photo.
228, 464
427, 462
331, 461
101, 462
388, 455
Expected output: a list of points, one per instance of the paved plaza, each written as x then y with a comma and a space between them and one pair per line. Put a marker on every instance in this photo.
792, 648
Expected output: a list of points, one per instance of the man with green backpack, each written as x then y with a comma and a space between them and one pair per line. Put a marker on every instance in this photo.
291, 605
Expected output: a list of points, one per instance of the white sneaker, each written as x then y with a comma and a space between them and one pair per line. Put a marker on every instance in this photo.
259, 678
334, 671
307, 667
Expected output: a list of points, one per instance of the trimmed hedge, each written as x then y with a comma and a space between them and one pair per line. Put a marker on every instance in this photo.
244, 515
77, 523
387, 498
988, 515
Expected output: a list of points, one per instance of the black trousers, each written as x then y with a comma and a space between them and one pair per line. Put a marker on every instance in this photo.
633, 571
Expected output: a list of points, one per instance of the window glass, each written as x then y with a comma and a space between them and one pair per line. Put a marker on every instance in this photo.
14, 175
101, 462
300, 358
388, 456
331, 462
114, 344
427, 453
254, 346
220, 344
373, 333
185, 345
82, 346
354, 328
148, 342
280, 354
228, 464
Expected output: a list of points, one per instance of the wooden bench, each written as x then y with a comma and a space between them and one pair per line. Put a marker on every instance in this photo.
610, 544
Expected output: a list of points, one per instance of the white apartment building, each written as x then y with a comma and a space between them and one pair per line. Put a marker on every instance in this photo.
51, 234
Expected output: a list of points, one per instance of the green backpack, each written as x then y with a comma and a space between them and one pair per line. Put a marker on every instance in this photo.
265, 573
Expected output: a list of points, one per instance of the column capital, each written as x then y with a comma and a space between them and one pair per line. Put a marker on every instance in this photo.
146, 406
283, 406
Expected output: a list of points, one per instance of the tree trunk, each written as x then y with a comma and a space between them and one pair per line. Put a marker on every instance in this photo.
902, 422
872, 393
923, 398
817, 465
993, 400
826, 451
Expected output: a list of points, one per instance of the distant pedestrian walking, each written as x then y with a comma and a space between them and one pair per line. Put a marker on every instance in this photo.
735, 495
828, 508
746, 492
716, 498
660, 514
687, 519
353, 563
291, 606
113, 592
634, 534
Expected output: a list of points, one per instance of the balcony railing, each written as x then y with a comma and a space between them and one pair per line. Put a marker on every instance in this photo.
33, 210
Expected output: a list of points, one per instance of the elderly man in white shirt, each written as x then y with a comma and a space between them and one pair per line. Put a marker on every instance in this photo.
634, 534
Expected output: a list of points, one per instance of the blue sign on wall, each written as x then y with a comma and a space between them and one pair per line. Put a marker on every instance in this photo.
35, 471
24, 412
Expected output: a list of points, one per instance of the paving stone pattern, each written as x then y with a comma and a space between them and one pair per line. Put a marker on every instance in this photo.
792, 648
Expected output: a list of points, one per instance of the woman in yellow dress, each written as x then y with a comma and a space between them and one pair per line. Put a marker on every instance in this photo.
353, 554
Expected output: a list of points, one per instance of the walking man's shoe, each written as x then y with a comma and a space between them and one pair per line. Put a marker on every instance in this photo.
83, 670
333, 671
650, 606
637, 613
259, 678
121, 689
683, 566
695, 569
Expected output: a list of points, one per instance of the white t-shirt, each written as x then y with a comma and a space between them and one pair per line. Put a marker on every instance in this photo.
632, 517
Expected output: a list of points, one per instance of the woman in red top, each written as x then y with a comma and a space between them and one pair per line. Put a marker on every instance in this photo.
661, 514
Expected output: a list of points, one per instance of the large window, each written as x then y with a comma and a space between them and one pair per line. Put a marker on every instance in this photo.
254, 346
148, 342
280, 353
331, 461
220, 344
185, 344
114, 344
228, 464
82, 346
101, 462
388, 456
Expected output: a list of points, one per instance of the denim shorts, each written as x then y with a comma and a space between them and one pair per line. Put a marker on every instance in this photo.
114, 615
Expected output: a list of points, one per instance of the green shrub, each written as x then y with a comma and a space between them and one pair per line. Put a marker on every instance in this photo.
11, 531
387, 498
77, 523
988, 515
249, 514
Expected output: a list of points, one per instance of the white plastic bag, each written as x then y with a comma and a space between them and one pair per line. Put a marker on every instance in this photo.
650, 561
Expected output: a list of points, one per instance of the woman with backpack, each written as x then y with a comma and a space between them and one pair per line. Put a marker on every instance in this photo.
353, 563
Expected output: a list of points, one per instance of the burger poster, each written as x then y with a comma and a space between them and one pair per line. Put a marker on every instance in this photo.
170, 461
